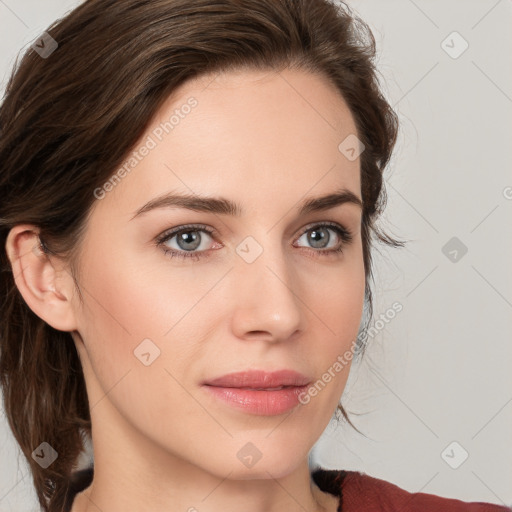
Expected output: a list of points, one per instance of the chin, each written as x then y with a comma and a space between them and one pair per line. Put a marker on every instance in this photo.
263, 458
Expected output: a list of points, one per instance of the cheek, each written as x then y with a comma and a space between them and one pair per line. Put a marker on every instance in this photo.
132, 300
142, 320
140, 336
335, 299
335, 295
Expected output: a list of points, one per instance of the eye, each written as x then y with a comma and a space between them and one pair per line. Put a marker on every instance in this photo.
319, 237
187, 239
191, 241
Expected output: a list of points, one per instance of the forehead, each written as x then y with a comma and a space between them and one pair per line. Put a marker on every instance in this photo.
244, 133
251, 99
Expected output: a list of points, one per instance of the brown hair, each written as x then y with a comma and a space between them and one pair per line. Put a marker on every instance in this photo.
68, 121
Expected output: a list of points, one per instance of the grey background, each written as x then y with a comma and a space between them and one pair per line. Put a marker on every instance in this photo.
440, 371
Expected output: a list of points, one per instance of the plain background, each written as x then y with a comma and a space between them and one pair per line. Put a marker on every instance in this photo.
439, 372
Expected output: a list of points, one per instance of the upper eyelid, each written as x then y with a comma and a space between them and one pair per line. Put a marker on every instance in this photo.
169, 233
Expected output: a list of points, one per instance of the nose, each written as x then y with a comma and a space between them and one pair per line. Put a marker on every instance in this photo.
267, 302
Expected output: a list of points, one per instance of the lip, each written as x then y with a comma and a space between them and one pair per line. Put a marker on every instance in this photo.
259, 379
254, 391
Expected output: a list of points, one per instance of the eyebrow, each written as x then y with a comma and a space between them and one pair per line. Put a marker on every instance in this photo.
223, 206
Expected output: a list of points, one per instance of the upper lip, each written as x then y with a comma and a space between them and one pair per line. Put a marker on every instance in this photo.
259, 379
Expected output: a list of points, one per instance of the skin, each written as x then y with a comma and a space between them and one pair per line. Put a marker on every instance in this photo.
266, 140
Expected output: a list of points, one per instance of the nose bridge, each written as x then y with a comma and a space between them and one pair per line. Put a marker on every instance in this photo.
267, 288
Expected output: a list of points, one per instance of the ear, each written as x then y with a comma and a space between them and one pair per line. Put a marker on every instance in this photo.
42, 280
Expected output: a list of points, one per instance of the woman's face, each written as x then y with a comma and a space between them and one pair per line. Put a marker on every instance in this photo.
265, 289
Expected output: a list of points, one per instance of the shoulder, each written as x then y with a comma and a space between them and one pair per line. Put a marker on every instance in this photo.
360, 491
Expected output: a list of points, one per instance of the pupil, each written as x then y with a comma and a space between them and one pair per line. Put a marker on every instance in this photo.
320, 233
188, 238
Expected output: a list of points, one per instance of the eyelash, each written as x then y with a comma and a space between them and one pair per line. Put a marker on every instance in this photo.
345, 235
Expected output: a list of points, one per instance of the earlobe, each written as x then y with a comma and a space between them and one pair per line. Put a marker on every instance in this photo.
44, 287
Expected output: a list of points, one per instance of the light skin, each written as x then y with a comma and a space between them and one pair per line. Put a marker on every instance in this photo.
267, 141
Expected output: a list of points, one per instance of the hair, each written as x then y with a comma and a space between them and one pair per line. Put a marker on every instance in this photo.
68, 121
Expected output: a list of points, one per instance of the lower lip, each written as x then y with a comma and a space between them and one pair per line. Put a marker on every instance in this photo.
263, 403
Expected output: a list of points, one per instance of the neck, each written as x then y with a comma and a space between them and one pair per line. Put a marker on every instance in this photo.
233, 497
133, 473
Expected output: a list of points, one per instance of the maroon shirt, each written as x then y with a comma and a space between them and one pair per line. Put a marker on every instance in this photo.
360, 492
357, 492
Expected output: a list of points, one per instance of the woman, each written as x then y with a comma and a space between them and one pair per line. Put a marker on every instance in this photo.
190, 192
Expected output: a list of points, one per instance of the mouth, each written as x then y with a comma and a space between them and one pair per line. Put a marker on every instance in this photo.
258, 392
